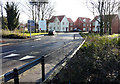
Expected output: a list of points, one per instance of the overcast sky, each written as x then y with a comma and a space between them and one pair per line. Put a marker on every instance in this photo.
71, 8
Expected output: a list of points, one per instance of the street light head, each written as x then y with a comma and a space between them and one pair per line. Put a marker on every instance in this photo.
42, 1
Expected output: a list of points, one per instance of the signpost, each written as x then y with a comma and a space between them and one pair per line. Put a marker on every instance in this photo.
31, 26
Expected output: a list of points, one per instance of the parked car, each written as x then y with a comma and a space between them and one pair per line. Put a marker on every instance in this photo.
51, 32
77, 30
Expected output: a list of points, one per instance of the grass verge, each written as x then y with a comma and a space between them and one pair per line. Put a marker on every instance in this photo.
34, 34
16, 34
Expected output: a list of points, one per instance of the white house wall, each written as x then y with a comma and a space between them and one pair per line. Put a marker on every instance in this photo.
96, 26
56, 26
59, 27
66, 24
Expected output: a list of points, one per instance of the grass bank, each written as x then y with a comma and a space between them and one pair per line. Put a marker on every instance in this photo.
98, 61
16, 34
34, 34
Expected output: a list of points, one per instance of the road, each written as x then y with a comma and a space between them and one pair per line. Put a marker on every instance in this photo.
21, 53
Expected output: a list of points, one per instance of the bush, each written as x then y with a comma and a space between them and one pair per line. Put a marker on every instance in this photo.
95, 62
118, 42
13, 34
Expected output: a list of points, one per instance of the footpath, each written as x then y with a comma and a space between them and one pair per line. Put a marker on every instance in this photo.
8, 41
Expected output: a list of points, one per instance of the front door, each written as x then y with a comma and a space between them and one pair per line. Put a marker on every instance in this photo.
66, 29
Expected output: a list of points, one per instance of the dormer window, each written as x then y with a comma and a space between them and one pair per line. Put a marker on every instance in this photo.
84, 20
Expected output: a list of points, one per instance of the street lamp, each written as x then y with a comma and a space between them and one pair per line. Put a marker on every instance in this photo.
37, 3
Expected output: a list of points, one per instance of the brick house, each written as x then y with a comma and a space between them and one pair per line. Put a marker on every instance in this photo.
82, 23
95, 26
0, 22
119, 16
71, 24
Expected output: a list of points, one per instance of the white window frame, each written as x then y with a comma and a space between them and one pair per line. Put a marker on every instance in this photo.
84, 29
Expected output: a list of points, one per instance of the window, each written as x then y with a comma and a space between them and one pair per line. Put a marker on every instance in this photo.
58, 23
84, 29
93, 24
63, 23
71, 24
90, 28
83, 25
90, 25
87, 29
84, 20
54, 28
63, 28
71, 28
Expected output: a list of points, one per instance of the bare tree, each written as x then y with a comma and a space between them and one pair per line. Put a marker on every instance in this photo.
47, 11
40, 11
110, 8
105, 10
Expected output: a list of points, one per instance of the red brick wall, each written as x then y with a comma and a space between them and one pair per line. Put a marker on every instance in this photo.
79, 24
115, 25
71, 26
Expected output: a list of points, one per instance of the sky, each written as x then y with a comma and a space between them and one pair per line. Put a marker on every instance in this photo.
71, 8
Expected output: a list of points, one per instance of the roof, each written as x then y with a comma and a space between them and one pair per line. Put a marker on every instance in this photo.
52, 19
105, 16
94, 19
59, 18
82, 18
70, 20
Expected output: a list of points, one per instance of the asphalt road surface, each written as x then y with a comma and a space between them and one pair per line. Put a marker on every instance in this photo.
21, 53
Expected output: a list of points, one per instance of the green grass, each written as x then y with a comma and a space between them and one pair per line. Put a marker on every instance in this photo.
17, 34
112, 36
33, 34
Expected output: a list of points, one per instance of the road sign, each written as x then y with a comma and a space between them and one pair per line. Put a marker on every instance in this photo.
31, 25
42, 25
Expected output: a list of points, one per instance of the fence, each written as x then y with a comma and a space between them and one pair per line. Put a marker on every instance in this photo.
16, 72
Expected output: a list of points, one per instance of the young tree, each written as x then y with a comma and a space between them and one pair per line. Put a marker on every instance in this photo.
12, 15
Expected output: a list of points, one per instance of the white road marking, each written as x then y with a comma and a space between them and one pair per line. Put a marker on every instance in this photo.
37, 39
7, 52
27, 57
11, 55
39, 36
33, 46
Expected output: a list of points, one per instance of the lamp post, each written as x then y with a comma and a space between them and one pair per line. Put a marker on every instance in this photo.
37, 3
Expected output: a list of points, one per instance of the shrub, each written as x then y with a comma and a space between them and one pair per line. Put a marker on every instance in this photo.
118, 42
95, 62
13, 34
